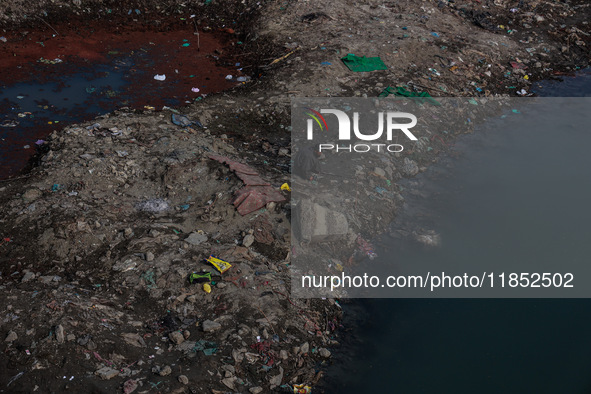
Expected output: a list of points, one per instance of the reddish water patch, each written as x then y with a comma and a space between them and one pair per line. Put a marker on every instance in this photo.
90, 69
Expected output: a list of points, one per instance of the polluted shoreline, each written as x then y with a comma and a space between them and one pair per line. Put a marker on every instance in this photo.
106, 243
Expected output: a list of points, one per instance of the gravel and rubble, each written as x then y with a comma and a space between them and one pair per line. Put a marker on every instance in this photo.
100, 237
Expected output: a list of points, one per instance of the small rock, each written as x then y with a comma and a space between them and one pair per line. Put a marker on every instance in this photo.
27, 277
248, 240
305, 348
32, 195
277, 379
71, 337
379, 172
149, 256
176, 337
11, 337
230, 368
324, 352
196, 239
210, 326
410, 167
186, 334
229, 382
59, 334
256, 390
183, 379
165, 371
283, 354
106, 373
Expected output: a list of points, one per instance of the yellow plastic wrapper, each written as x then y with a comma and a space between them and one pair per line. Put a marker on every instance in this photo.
207, 288
285, 187
301, 389
219, 264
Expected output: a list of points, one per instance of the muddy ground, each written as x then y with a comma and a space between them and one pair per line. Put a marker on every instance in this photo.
100, 234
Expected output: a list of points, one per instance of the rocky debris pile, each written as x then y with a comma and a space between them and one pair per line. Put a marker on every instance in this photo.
105, 291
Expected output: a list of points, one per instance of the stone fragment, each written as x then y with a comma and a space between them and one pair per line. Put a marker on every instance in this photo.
196, 239
410, 167
183, 379
305, 348
321, 224
11, 337
59, 334
210, 326
165, 371
28, 276
106, 373
324, 352
176, 337
379, 172
248, 240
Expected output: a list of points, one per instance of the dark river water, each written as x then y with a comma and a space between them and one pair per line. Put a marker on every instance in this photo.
484, 345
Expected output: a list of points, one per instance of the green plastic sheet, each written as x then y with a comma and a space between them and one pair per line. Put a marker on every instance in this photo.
422, 97
360, 64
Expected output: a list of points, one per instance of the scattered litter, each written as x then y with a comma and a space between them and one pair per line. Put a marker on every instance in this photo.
183, 121
200, 277
360, 64
159, 77
3, 39
285, 187
153, 205
207, 288
207, 347
195, 90
366, 248
257, 192
229, 76
417, 97
219, 264
47, 61
130, 386
15, 377
435, 34
302, 389
326, 64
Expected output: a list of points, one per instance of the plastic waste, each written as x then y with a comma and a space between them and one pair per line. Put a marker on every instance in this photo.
219, 264
200, 277
302, 389
183, 121
159, 77
421, 97
360, 64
